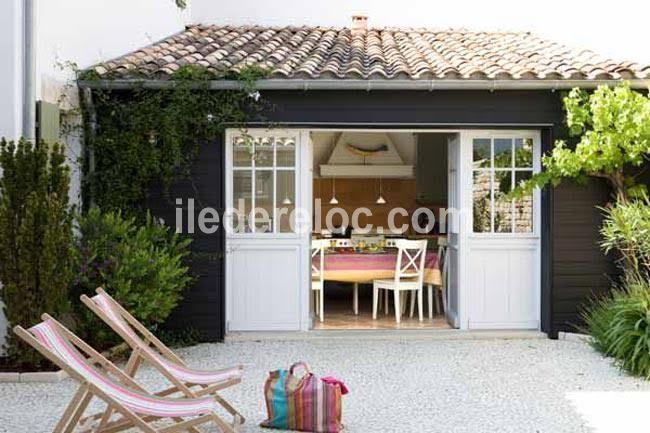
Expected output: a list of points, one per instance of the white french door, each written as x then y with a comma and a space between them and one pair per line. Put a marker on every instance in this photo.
499, 263
268, 186
454, 230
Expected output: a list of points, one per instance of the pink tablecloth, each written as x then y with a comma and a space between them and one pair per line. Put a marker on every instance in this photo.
365, 267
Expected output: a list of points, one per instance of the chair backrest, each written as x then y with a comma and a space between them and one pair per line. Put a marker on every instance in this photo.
318, 258
134, 333
411, 257
88, 366
445, 269
442, 258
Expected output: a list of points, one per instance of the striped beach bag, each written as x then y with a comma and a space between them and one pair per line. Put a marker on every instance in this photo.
305, 403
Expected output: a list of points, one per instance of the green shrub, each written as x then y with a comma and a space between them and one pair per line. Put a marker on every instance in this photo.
626, 229
597, 318
620, 326
35, 240
629, 332
142, 266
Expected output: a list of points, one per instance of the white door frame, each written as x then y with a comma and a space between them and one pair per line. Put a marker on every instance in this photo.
304, 178
298, 242
495, 240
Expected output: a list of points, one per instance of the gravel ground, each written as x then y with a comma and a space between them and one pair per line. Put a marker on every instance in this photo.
395, 385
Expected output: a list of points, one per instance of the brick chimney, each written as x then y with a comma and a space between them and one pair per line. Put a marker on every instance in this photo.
359, 24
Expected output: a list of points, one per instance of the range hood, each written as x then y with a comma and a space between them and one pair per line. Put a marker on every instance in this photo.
365, 155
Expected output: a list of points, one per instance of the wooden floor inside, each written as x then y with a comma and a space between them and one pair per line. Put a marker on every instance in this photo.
339, 315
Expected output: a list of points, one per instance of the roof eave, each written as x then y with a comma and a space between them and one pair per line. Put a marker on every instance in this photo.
360, 84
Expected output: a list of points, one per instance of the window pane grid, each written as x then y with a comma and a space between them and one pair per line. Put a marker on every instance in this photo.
500, 164
263, 188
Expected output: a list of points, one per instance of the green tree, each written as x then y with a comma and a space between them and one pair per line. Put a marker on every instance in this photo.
613, 129
35, 239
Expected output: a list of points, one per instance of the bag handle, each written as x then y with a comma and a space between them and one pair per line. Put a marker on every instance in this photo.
302, 364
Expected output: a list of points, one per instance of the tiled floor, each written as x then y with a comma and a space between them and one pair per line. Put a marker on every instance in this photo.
339, 315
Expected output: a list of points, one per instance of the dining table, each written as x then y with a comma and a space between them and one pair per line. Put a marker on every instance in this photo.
362, 266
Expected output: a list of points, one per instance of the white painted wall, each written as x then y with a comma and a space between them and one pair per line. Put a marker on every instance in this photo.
10, 68
616, 32
90, 31
10, 89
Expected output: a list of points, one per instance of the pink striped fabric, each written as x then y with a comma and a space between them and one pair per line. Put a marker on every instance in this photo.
48, 334
183, 373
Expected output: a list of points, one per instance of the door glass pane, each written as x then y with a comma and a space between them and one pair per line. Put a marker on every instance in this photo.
503, 153
263, 201
502, 206
523, 206
286, 152
286, 199
481, 151
524, 153
242, 152
481, 182
264, 152
242, 188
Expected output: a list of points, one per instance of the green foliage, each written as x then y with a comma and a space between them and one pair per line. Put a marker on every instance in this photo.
35, 239
148, 137
613, 126
142, 266
597, 316
626, 229
192, 73
620, 326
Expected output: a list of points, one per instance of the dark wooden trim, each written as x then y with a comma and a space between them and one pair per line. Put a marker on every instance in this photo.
547, 247
222, 247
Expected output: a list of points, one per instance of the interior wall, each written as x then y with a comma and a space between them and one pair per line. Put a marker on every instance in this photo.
428, 188
355, 193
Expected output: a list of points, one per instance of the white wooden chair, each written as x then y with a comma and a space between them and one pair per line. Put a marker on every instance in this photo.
440, 290
317, 277
409, 275
389, 243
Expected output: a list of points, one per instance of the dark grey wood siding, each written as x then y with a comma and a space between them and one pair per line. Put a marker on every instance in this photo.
572, 265
580, 269
413, 108
203, 304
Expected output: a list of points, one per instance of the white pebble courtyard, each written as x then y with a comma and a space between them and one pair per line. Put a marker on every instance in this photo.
396, 385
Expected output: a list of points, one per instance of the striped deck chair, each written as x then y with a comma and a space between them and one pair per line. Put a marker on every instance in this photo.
146, 347
128, 404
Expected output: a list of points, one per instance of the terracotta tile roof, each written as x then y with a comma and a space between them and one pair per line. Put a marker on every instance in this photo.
378, 53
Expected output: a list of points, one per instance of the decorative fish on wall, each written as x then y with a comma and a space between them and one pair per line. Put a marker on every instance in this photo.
367, 152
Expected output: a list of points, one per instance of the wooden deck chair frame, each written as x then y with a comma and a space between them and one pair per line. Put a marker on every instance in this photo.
149, 339
72, 415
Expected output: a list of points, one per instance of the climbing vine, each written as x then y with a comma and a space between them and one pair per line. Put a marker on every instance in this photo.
141, 137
